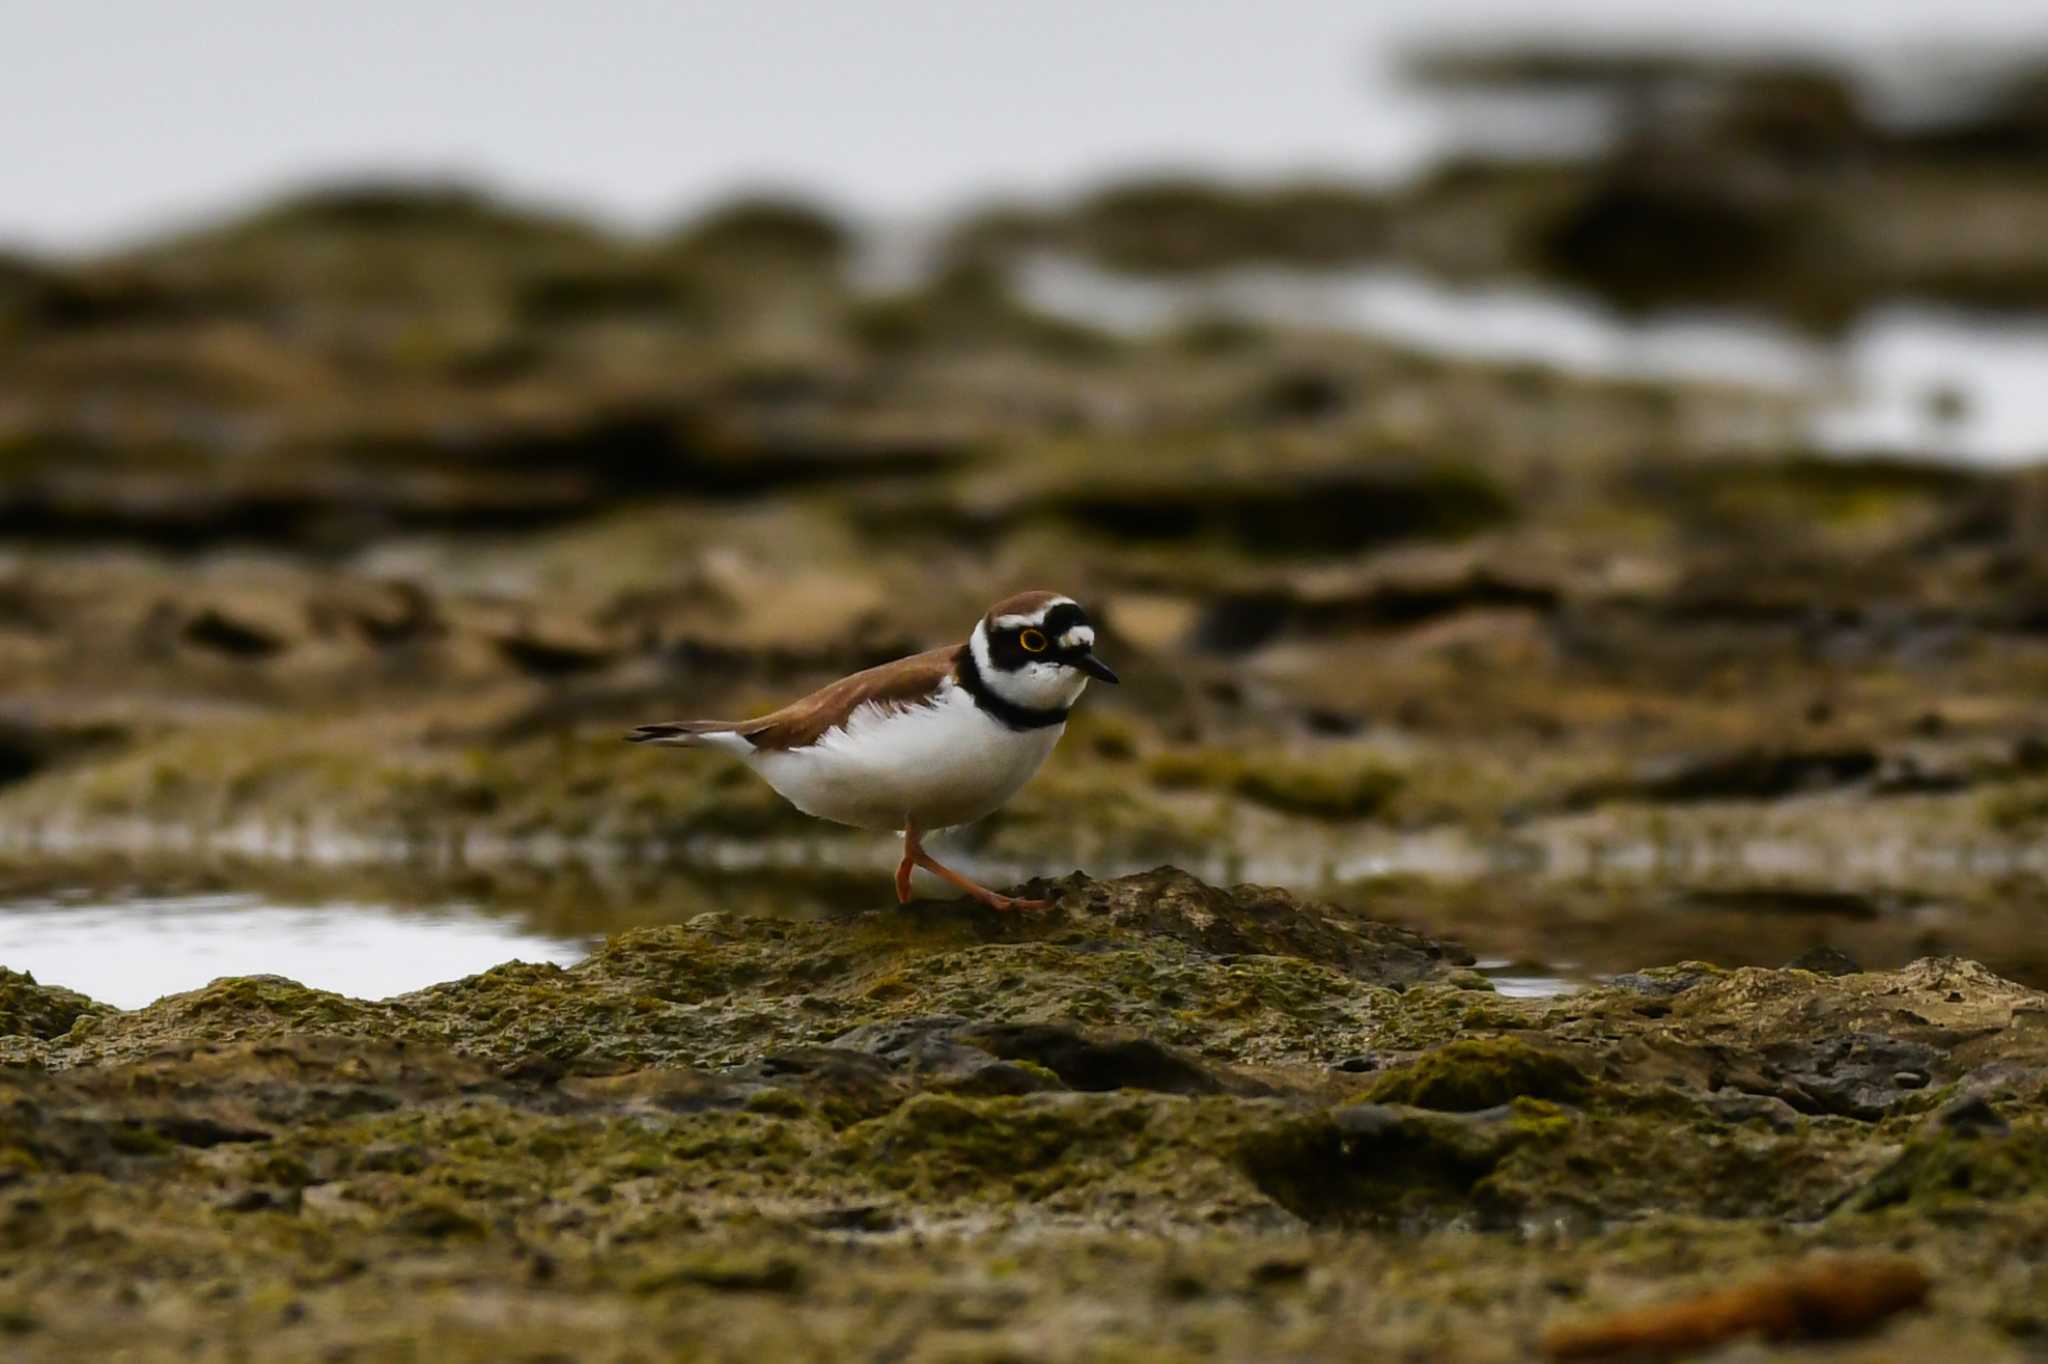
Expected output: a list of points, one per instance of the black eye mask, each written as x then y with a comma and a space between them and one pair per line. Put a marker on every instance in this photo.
1006, 651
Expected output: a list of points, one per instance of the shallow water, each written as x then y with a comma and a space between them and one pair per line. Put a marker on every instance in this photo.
1872, 390
131, 950
126, 927
1524, 980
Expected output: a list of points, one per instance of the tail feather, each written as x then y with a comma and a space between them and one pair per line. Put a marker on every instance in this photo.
685, 733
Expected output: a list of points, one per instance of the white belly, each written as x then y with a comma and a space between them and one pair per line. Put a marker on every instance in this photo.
943, 764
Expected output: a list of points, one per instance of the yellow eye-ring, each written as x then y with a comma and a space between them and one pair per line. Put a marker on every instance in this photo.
1033, 641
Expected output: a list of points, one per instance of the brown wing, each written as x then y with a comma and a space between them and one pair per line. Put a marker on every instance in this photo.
906, 682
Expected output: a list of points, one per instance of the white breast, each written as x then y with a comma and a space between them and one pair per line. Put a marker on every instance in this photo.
941, 764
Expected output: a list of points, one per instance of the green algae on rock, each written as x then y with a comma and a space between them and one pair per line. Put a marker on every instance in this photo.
743, 1135
40, 1011
1464, 1077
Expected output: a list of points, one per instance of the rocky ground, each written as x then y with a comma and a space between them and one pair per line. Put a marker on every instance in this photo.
323, 533
340, 541
1163, 1121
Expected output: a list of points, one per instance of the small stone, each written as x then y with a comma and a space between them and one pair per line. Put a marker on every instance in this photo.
1825, 961
1662, 982
1971, 1113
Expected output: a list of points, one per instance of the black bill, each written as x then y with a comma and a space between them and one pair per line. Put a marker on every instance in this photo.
1096, 668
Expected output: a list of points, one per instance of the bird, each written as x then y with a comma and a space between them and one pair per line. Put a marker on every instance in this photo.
927, 742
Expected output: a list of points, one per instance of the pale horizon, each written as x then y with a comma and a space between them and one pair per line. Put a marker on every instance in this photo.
900, 110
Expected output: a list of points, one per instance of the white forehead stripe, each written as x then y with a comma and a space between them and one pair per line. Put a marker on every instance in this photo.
1035, 618
1077, 638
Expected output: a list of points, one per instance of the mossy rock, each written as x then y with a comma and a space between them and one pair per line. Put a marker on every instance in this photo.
1950, 1167
1467, 1076
41, 1011
798, 1197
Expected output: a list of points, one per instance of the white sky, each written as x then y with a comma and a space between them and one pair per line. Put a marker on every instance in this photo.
118, 117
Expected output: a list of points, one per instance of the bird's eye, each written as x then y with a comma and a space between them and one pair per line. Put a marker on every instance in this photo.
1033, 641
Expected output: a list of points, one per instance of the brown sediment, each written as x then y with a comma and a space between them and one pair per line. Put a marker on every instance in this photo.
1823, 1301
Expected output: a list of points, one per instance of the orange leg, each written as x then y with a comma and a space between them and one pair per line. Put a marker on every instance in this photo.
914, 855
905, 867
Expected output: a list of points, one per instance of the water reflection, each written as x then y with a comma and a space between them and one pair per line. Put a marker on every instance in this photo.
129, 951
127, 928
1906, 379
1529, 980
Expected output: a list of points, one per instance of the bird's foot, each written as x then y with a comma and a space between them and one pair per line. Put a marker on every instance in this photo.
914, 855
1010, 902
993, 899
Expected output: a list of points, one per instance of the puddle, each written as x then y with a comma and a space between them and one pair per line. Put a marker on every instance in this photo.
1908, 379
130, 951
1527, 980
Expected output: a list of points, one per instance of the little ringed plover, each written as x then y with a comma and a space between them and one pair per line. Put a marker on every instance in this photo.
927, 742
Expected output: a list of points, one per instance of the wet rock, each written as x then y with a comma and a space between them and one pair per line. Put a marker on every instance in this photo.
1861, 1075
1666, 980
1971, 1113
1144, 954
1257, 919
848, 1085
1748, 774
1767, 1109
932, 1049
1097, 1064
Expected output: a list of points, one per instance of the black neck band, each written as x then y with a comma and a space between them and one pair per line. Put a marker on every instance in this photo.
1008, 713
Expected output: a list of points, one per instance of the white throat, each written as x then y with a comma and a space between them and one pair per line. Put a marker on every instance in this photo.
1035, 686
